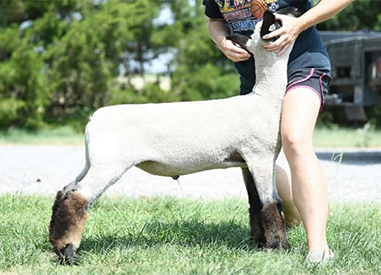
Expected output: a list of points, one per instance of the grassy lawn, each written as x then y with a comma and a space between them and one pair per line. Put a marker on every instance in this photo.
323, 137
60, 136
179, 236
347, 137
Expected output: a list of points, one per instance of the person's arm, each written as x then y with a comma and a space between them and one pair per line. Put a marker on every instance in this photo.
218, 31
292, 27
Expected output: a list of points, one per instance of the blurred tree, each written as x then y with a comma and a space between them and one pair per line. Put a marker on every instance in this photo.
85, 61
364, 14
23, 85
60, 60
202, 71
71, 53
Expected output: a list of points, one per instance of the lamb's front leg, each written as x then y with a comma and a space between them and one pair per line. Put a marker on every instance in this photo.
256, 229
271, 218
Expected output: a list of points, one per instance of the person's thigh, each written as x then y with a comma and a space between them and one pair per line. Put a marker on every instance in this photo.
302, 104
300, 110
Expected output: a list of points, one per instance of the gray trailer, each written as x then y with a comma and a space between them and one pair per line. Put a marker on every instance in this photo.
356, 71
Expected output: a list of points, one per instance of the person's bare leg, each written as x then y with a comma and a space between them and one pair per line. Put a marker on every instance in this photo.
284, 187
300, 110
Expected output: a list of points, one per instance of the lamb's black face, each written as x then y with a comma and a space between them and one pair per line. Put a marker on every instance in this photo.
269, 25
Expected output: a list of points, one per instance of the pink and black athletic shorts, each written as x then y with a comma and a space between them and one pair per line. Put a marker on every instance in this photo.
313, 79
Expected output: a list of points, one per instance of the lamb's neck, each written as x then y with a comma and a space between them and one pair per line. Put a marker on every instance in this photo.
271, 76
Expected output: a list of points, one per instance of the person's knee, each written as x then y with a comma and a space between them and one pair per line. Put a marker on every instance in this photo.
296, 144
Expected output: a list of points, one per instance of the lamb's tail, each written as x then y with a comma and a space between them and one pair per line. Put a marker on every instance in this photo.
86, 168
87, 158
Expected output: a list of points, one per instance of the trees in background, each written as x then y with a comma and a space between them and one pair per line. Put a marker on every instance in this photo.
360, 15
61, 60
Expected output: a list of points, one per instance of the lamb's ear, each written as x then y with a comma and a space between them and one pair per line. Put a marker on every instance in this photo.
241, 40
268, 21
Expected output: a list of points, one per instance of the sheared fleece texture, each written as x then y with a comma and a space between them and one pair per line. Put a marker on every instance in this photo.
173, 139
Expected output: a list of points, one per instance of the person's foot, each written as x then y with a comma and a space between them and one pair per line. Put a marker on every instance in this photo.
319, 257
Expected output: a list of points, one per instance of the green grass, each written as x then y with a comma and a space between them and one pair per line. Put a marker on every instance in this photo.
323, 137
58, 136
179, 236
347, 137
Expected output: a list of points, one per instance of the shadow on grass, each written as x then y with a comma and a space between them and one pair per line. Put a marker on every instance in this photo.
183, 233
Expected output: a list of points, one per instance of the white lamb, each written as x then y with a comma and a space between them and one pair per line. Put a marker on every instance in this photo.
175, 139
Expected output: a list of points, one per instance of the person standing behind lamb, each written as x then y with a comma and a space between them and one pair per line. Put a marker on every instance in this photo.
305, 193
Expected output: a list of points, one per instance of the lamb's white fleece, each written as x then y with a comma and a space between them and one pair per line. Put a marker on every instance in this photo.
173, 139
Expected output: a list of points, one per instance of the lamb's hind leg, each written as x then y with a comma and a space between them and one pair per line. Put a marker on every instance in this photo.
70, 209
271, 217
67, 222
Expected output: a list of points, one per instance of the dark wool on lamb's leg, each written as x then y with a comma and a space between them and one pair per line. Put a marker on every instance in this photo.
257, 237
67, 223
274, 227
271, 220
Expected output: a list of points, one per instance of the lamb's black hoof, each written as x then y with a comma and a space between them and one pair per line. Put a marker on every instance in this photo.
67, 255
257, 242
271, 246
276, 244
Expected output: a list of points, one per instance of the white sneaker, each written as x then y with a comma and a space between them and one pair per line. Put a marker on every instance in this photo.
318, 258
